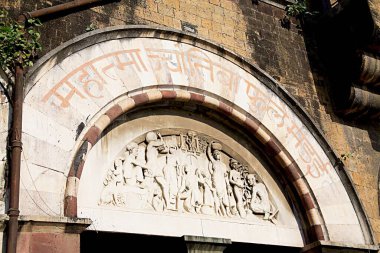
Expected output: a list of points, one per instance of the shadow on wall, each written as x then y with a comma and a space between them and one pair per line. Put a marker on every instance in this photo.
336, 63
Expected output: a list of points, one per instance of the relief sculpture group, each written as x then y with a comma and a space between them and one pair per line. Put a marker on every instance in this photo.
185, 173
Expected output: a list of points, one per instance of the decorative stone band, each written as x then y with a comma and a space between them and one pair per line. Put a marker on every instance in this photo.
269, 144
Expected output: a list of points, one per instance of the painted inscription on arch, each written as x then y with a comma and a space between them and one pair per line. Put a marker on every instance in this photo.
88, 80
201, 70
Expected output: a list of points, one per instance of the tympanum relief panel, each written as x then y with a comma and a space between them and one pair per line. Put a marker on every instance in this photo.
185, 172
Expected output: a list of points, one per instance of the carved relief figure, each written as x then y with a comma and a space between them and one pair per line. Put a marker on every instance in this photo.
207, 191
173, 176
155, 145
185, 173
112, 192
190, 142
260, 203
219, 179
237, 182
189, 196
132, 168
157, 202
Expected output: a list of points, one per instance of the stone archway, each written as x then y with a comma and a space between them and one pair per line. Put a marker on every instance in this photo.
266, 139
79, 89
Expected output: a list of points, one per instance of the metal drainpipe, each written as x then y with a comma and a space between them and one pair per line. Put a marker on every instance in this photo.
16, 148
63, 7
16, 126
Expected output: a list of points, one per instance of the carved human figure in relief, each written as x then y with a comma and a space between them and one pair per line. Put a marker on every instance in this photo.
112, 191
189, 196
260, 203
132, 168
154, 174
208, 192
192, 142
172, 173
156, 145
157, 202
219, 178
237, 182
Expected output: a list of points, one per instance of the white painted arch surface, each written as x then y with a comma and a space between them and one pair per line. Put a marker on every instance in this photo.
73, 84
120, 219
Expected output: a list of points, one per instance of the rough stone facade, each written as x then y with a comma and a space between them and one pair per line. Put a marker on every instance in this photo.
254, 32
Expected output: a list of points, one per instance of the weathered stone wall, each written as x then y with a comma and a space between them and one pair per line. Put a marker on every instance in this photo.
254, 32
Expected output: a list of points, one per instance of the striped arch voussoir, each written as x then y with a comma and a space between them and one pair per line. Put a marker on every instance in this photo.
273, 148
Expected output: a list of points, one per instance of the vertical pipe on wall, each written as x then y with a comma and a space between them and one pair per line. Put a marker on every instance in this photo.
16, 148
16, 125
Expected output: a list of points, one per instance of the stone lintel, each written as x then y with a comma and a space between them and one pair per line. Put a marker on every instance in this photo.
57, 224
337, 247
201, 244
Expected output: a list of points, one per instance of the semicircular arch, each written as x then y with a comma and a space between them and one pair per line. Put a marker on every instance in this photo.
81, 87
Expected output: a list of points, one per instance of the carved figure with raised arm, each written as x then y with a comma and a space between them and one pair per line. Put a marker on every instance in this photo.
156, 145
219, 178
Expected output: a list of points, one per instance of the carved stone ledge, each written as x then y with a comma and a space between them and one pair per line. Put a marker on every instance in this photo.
53, 224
